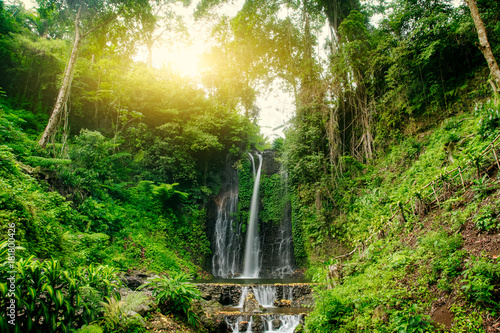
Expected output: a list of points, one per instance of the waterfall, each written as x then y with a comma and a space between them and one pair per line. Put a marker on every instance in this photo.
253, 164
284, 249
244, 293
270, 323
282, 245
225, 259
265, 295
226, 240
252, 247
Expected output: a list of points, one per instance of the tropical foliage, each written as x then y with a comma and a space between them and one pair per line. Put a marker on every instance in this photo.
391, 159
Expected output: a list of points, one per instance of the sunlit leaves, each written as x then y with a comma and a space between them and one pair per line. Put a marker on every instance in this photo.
260, 43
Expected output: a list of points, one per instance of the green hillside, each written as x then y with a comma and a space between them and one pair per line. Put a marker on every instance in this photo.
392, 160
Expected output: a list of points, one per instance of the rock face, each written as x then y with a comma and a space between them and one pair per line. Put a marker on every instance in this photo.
276, 236
223, 229
226, 294
257, 324
209, 314
134, 279
269, 164
274, 241
250, 304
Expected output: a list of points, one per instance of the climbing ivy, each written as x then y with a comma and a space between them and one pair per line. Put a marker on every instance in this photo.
274, 194
245, 189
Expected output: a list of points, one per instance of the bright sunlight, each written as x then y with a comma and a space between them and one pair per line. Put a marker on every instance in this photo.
182, 59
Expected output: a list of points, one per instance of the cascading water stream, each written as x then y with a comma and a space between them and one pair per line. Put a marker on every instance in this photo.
226, 244
253, 164
252, 248
270, 324
273, 241
226, 248
265, 295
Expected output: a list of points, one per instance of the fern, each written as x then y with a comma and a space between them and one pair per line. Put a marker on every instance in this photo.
176, 294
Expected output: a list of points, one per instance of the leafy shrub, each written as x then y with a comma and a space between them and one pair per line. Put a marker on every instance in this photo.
84, 248
465, 321
329, 315
480, 186
441, 244
175, 295
8, 164
117, 316
411, 320
481, 282
63, 298
487, 219
490, 119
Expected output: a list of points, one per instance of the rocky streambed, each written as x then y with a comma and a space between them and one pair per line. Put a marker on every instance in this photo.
256, 307
236, 307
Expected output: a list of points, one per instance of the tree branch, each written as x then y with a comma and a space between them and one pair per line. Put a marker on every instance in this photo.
112, 18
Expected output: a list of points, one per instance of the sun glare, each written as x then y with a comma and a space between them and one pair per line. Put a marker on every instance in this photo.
182, 59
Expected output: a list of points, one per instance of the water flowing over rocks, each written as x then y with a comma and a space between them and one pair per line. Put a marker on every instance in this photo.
252, 307
226, 232
230, 294
264, 250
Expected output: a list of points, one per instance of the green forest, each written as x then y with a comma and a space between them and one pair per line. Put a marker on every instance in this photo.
109, 164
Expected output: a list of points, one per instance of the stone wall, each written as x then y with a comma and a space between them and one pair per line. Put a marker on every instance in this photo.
230, 294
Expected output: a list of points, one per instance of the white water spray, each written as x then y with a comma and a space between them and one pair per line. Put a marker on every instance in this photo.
251, 266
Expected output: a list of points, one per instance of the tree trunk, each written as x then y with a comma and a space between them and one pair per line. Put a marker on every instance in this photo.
63, 94
484, 45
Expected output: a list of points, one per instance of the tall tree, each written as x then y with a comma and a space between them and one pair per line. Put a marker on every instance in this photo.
89, 16
484, 44
253, 49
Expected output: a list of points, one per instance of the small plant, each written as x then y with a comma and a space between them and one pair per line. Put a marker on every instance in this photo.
8, 164
466, 322
477, 160
63, 298
175, 295
480, 187
480, 280
490, 119
486, 219
117, 316
411, 320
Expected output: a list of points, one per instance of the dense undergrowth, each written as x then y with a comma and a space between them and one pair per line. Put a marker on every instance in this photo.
434, 266
83, 221
123, 224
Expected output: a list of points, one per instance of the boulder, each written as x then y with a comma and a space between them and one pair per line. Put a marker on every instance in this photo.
243, 326
209, 315
276, 323
137, 316
134, 279
257, 324
250, 304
